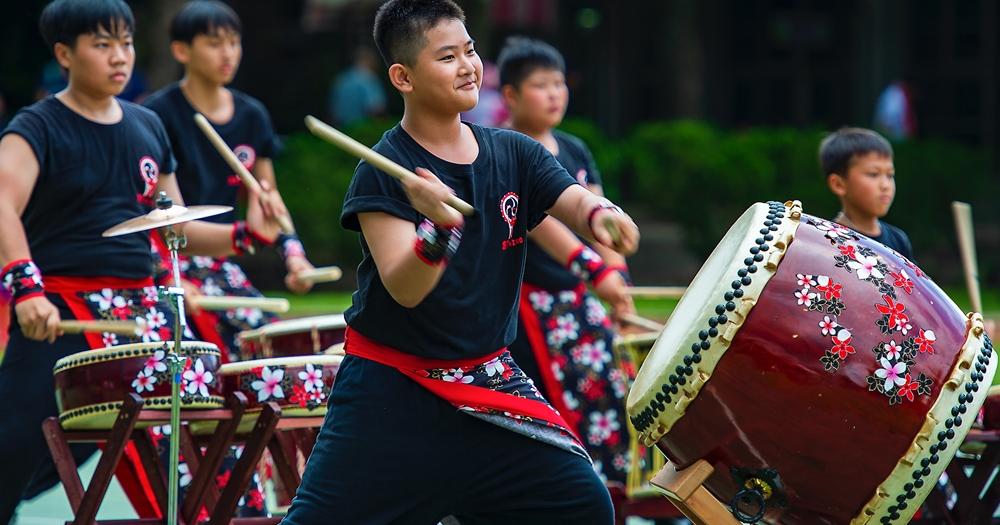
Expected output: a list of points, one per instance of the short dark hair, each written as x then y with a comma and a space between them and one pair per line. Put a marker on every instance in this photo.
63, 21
839, 148
203, 17
522, 56
400, 26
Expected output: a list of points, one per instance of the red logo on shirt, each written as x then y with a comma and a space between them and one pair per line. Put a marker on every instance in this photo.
246, 154
508, 210
149, 170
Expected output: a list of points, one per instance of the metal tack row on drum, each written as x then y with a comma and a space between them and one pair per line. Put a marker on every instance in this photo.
91, 385
823, 376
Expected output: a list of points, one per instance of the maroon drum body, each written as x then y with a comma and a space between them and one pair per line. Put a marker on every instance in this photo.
91, 386
827, 375
293, 337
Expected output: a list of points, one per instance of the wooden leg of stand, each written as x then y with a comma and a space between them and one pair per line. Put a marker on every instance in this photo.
305, 440
203, 490
151, 464
112, 454
63, 459
685, 489
280, 446
243, 471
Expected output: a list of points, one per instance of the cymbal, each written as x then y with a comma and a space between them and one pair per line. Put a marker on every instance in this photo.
164, 217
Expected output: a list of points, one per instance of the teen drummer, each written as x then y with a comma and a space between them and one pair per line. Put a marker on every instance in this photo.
430, 416
206, 39
71, 166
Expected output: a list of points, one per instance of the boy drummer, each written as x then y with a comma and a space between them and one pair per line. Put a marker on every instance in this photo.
430, 416
71, 166
206, 40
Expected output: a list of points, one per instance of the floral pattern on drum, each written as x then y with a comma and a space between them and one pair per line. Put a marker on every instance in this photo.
894, 374
308, 389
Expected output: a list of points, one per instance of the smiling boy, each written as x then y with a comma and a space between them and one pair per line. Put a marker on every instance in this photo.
430, 416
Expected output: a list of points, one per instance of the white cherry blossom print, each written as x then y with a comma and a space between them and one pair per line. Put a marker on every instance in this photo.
805, 297
541, 301
103, 300
197, 379
312, 378
269, 384
143, 382
155, 362
892, 350
865, 267
828, 326
456, 375
893, 374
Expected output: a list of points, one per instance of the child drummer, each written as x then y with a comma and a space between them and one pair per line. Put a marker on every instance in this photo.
430, 416
71, 166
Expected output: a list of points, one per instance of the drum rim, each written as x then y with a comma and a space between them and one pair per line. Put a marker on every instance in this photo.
962, 382
132, 350
659, 397
70, 419
241, 367
294, 326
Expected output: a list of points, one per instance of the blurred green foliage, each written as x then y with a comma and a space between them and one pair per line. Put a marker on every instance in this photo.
698, 176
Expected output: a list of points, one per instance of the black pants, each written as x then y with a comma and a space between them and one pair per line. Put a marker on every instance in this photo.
391, 452
27, 391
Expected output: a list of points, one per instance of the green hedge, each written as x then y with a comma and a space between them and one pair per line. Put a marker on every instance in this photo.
696, 175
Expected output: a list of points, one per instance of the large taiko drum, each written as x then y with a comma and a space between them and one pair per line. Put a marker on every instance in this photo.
306, 335
824, 376
91, 386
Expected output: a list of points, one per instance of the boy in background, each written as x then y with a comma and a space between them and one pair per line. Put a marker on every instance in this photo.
857, 164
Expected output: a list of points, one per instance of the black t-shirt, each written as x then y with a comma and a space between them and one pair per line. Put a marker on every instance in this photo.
91, 177
202, 173
541, 269
895, 238
473, 309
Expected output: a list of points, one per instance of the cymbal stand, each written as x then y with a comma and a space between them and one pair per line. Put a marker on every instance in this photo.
174, 295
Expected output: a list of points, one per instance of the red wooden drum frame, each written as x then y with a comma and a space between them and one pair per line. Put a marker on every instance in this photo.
91, 386
293, 337
824, 373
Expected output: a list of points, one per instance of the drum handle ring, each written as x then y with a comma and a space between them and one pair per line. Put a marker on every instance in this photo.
748, 495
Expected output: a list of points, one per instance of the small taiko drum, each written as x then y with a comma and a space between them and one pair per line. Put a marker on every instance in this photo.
300, 385
306, 335
823, 376
91, 386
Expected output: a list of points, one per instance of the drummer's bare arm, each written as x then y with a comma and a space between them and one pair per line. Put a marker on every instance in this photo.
274, 205
390, 240
586, 213
611, 257
559, 242
37, 317
212, 239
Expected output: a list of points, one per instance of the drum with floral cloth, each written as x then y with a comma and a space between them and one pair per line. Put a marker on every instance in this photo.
823, 376
300, 385
294, 337
91, 385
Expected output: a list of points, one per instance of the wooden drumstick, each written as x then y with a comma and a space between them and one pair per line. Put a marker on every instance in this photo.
112, 327
324, 274
337, 138
967, 247
234, 163
638, 320
666, 292
228, 302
